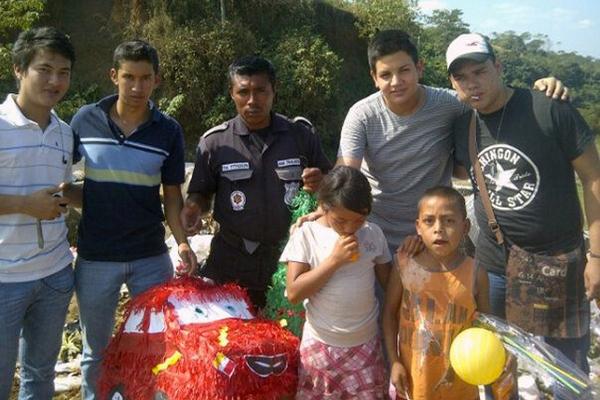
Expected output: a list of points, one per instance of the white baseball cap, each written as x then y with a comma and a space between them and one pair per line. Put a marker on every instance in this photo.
471, 46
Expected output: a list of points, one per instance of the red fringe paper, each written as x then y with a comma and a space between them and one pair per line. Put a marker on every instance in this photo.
130, 357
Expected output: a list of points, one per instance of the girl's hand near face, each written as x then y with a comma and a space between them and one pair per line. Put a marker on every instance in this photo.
345, 250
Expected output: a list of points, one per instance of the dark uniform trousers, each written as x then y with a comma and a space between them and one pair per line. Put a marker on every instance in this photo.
252, 271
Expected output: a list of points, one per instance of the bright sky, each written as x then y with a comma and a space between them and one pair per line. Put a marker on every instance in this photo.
572, 25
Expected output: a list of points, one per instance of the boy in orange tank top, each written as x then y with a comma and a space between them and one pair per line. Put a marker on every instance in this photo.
430, 298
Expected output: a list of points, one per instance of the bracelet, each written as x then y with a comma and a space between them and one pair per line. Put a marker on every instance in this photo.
593, 255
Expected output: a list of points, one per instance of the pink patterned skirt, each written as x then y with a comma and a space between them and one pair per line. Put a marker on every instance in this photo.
330, 372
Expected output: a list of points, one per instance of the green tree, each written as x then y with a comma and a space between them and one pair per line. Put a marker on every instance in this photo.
308, 72
194, 61
376, 15
15, 16
439, 30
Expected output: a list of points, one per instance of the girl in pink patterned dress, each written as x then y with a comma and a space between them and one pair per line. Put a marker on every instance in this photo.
332, 264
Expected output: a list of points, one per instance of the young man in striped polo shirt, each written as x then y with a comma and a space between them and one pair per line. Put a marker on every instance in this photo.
36, 277
131, 149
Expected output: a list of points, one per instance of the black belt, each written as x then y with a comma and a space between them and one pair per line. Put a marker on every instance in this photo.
235, 240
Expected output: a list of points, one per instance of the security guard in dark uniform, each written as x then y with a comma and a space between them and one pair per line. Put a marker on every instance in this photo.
253, 165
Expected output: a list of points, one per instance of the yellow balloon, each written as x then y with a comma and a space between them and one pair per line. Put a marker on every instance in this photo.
477, 356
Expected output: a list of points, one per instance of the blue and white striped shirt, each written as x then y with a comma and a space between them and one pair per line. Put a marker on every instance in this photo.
30, 160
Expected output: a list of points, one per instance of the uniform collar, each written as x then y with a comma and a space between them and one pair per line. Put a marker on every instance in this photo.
106, 103
12, 114
278, 123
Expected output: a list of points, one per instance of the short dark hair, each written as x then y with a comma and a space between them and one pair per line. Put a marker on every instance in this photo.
30, 42
448, 193
346, 187
252, 65
135, 50
388, 42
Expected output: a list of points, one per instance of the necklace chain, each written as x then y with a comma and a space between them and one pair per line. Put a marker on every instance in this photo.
498, 130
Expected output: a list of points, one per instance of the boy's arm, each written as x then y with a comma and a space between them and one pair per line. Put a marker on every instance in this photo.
40, 204
587, 166
173, 202
391, 308
482, 296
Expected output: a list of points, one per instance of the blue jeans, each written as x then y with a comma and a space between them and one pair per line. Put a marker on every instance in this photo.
97, 287
34, 311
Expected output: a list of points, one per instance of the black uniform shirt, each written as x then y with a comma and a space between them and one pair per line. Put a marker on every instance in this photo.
255, 176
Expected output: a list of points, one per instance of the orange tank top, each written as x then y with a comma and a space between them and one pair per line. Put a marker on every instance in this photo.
436, 306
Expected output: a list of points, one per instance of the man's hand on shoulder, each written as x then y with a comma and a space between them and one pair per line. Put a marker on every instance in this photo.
410, 247
553, 88
313, 216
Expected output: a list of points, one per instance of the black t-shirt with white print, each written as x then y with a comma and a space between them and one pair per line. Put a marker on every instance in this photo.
526, 159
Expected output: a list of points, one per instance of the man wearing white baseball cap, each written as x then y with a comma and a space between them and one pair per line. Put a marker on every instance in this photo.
528, 147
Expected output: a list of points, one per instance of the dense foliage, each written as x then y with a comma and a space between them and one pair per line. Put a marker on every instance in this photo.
318, 48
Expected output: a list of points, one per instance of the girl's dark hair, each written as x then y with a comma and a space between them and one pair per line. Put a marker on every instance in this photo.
37, 39
346, 187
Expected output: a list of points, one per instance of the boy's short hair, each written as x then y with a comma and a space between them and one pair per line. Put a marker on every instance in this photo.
448, 193
389, 42
252, 65
346, 187
135, 50
30, 42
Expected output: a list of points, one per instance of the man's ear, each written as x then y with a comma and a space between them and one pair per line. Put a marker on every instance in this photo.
467, 226
499, 67
374, 77
114, 76
157, 80
420, 65
18, 72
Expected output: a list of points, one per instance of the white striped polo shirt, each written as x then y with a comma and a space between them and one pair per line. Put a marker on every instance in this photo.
30, 160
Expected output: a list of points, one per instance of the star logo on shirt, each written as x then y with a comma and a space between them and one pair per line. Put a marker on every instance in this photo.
512, 177
502, 178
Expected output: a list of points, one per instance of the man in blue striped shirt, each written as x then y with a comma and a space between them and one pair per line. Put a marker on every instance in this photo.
131, 149
36, 277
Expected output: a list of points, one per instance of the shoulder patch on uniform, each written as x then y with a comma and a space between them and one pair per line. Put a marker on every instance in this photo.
303, 121
218, 128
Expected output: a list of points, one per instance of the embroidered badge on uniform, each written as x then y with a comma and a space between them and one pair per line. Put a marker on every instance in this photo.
291, 189
238, 200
